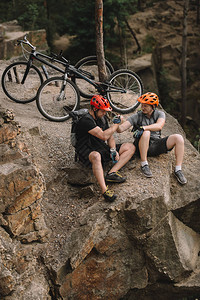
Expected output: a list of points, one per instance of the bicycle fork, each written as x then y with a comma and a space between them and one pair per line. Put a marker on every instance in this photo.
26, 72
61, 96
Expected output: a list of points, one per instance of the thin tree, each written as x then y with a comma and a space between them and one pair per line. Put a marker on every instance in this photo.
184, 64
198, 19
99, 40
134, 36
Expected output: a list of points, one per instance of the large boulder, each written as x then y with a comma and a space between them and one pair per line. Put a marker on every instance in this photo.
11, 31
124, 250
21, 219
146, 237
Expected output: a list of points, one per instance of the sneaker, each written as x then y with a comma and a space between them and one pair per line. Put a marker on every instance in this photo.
115, 177
146, 171
180, 177
109, 196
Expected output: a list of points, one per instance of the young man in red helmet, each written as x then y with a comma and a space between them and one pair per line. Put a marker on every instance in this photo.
96, 145
148, 142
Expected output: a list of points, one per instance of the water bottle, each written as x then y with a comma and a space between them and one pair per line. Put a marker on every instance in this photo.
113, 154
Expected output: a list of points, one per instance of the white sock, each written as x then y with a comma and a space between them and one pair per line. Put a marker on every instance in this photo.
144, 163
177, 168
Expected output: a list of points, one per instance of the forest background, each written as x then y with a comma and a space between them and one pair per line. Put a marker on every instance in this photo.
77, 20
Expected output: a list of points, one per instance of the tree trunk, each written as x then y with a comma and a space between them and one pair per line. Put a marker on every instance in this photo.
198, 12
184, 64
139, 4
46, 6
134, 36
14, 8
120, 45
99, 40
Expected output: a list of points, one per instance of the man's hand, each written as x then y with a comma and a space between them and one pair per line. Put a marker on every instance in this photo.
114, 155
116, 119
138, 133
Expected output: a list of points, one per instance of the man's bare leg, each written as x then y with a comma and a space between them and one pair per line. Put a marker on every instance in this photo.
143, 148
176, 141
95, 159
144, 145
126, 151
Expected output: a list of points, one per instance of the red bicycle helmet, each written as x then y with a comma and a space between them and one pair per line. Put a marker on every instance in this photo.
149, 98
100, 102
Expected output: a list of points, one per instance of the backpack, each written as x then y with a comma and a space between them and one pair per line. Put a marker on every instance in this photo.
76, 116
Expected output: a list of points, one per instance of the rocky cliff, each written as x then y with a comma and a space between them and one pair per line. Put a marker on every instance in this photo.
10, 32
60, 240
159, 30
22, 222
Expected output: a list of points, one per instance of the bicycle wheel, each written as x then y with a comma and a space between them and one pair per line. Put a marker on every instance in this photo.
132, 84
12, 86
53, 101
89, 64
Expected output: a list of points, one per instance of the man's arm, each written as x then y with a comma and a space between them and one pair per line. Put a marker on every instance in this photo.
124, 126
156, 126
111, 142
103, 135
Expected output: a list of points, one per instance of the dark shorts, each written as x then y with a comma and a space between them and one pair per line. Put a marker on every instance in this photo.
156, 147
84, 152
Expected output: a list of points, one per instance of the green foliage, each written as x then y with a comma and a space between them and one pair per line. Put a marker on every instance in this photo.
29, 17
197, 141
115, 13
6, 11
193, 133
73, 17
149, 44
81, 23
31, 14
174, 107
164, 91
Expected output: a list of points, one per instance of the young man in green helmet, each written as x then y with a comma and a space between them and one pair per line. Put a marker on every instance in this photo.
148, 142
96, 145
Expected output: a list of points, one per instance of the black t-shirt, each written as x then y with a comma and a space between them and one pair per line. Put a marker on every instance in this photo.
87, 123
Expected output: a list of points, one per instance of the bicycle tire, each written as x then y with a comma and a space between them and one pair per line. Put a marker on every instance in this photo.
51, 105
89, 64
11, 82
125, 102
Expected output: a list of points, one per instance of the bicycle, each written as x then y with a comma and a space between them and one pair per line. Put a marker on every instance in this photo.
24, 79
21, 80
122, 91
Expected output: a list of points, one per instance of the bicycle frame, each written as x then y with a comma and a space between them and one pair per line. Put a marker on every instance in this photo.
69, 71
37, 55
72, 71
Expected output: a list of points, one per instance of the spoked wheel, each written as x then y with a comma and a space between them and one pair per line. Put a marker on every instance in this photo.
54, 101
89, 64
12, 82
125, 101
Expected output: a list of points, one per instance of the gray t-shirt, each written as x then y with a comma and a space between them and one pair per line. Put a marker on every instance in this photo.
140, 119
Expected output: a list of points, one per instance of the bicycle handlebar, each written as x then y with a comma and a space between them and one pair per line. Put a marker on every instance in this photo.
59, 57
25, 41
